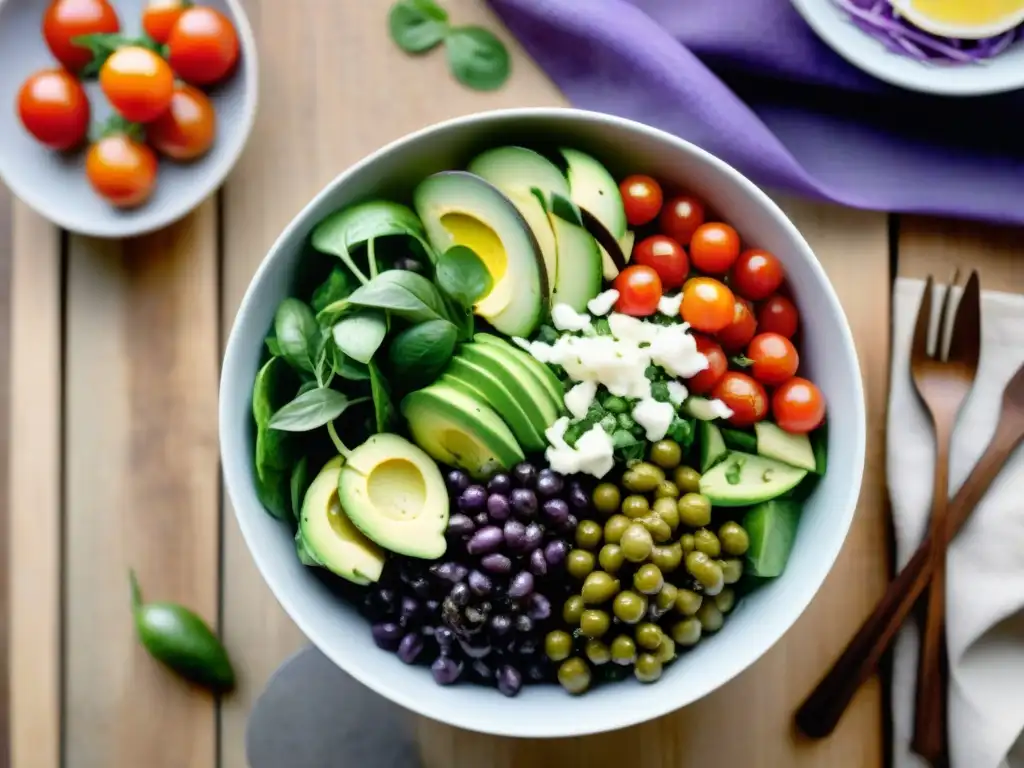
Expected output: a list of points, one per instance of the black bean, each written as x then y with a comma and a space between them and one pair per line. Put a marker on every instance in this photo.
444, 637
510, 681
460, 525
500, 483
496, 563
485, 541
521, 586
578, 498
432, 606
410, 610
472, 499
540, 607
387, 635
457, 481
501, 625
479, 584
538, 563
527, 647
568, 527
421, 588
556, 551
498, 507
534, 537
460, 594
524, 624
515, 535
556, 511
450, 572
524, 503
525, 475
549, 483
446, 670
410, 647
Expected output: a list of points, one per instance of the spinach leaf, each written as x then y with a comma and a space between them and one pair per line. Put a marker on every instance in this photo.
348, 368
300, 481
405, 294
416, 26
418, 354
429, 8
383, 409
311, 410
273, 347
463, 276
308, 386
462, 318
298, 335
359, 334
274, 385
336, 287
477, 58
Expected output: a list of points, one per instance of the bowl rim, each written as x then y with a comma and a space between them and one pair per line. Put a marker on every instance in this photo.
666, 704
880, 64
182, 205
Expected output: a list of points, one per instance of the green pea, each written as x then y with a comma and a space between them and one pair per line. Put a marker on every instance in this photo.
616, 405
687, 632
710, 617
735, 540
705, 541
706, 571
666, 490
572, 610
609, 423
667, 597
725, 600
666, 454
588, 534
610, 558
648, 579
667, 557
695, 510
668, 511
667, 650
574, 675
642, 477
606, 498
579, 563
659, 529
558, 645
629, 607
648, 668
597, 652
732, 570
688, 602
687, 543
623, 650
615, 527
635, 506
648, 636
599, 587
594, 623
636, 543
687, 478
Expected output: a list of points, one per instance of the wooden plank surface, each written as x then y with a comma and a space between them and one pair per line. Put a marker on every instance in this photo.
6, 249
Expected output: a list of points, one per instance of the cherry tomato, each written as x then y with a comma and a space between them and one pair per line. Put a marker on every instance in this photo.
187, 128
159, 18
756, 274
707, 304
65, 20
798, 406
744, 396
138, 83
642, 197
639, 290
741, 330
665, 256
718, 364
121, 170
203, 46
778, 315
680, 218
775, 359
714, 247
53, 107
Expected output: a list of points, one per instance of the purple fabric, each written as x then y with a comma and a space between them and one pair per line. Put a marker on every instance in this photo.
750, 82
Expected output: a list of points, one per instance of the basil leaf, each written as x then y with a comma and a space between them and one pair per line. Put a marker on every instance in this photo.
461, 317
463, 276
477, 58
310, 410
348, 368
273, 347
360, 334
420, 353
308, 386
383, 409
299, 483
405, 294
413, 29
336, 287
429, 8
298, 334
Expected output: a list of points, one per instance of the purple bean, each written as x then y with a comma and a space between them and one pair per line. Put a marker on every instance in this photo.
496, 563
549, 483
509, 680
555, 552
450, 572
525, 474
569, 526
501, 625
578, 498
556, 511
446, 670
524, 624
524, 503
533, 537
457, 481
472, 499
444, 637
387, 635
479, 584
521, 586
460, 595
460, 525
500, 483
498, 507
540, 607
485, 541
410, 647
385, 601
515, 535
410, 610
538, 563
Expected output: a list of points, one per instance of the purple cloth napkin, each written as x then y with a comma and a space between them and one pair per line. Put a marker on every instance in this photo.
749, 81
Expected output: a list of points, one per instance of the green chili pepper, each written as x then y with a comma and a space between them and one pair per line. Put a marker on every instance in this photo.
177, 637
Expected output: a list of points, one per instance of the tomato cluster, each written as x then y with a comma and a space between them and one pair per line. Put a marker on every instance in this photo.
152, 81
735, 299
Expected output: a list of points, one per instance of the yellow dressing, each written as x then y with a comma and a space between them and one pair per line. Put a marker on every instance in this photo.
963, 18
484, 241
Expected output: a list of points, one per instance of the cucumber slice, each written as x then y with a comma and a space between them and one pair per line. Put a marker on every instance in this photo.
739, 440
746, 478
772, 530
712, 447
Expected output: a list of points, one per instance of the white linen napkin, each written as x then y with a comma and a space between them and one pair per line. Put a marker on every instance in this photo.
985, 569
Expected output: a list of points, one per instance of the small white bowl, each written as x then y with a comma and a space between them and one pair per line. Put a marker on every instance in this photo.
55, 184
827, 353
832, 24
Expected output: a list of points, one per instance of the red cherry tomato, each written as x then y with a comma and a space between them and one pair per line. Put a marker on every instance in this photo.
707, 304
744, 396
714, 247
121, 170
718, 364
639, 290
203, 46
159, 17
740, 331
138, 83
642, 197
187, 128
778, 315
680, 218
53, 107
798, 406
65, 20
756, 274
665, 256
774, 357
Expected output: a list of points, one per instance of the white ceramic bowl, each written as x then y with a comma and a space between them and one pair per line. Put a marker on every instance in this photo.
757, 623
1002, 73
55, 185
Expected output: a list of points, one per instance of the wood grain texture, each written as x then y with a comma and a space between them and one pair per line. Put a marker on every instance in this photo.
33, 508
142, 487
6, 251
939, 246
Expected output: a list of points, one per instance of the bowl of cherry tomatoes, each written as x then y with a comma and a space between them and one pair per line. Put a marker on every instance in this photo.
122, 116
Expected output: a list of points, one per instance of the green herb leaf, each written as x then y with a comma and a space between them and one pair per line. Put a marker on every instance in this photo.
311, 410
418, 354
348, 368
383, 408
742, 361
405, 294
274, 386
300, 481
337, 286
429, 8
273, 347
477, 58
463, 276
360, 334
102, 45
308, 386
116, 125
298, 334
682, 431
414, 29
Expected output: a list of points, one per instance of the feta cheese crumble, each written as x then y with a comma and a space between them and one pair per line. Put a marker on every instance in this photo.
593, 453
565, 318
579, 399
669, 305
602, 303
655, 417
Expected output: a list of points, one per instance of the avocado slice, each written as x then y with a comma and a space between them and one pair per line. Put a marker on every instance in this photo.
712, 446
457, 429
540, 371
746, 478
773, 442
772, 529
591, 186
532, 397
327, 534
580, 269
395, 495
738, 440
459, 208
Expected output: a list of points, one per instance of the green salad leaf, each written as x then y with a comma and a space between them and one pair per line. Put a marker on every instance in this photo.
463, 276
405, 294
298, 485
383, 408
274, 385
359, 334
311, 410
477, 58
298, 334
419, 353
336, 287
417, 26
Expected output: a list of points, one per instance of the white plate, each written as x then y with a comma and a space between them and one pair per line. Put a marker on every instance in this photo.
833, 25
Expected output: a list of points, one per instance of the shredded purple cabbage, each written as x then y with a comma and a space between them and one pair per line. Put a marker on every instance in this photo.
880, 20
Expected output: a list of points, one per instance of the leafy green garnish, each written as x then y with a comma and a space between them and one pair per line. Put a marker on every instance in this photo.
417, 26
298, 335
299, 483
383, 408
311, 410
103, 44
406, 295
337, 286
274, 385
477, 58
463, 276
359, 334
419, 353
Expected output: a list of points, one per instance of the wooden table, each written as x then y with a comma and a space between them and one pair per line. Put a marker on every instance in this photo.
110, 357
